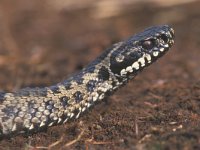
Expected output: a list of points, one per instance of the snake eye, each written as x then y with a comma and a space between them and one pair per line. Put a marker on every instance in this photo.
164, 38
148, 44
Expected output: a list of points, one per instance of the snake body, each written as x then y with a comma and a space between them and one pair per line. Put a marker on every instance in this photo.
32, 109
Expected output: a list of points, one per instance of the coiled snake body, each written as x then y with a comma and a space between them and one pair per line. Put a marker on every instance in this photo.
32, 109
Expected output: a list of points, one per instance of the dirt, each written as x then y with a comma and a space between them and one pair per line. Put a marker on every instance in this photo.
158, 110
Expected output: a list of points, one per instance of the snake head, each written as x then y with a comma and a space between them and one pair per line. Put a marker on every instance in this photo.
141, 50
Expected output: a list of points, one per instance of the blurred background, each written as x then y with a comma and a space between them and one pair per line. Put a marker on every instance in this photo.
40, 34
43, 42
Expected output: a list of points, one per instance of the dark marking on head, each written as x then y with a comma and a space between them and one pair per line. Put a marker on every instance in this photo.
116, 67
103, 73
78, 96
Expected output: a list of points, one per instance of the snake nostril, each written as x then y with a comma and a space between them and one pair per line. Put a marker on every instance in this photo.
164, 38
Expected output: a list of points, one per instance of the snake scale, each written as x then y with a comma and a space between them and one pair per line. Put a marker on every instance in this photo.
33, 109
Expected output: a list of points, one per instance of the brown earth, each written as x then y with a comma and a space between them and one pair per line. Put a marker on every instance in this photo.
158, 110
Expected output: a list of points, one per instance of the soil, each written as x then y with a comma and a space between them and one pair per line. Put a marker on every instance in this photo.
158, 110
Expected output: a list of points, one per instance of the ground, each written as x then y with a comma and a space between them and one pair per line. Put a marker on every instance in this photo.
158, 110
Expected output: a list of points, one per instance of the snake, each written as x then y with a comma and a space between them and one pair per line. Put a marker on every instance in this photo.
30, 110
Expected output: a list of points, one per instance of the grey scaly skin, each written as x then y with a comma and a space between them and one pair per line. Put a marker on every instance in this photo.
32, 109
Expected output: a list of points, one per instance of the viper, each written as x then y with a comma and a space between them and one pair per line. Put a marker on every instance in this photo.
33, 109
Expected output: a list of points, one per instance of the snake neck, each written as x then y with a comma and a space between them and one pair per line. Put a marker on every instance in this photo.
32, 109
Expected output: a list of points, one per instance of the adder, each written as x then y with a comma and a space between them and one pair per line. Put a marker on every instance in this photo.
32, 109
